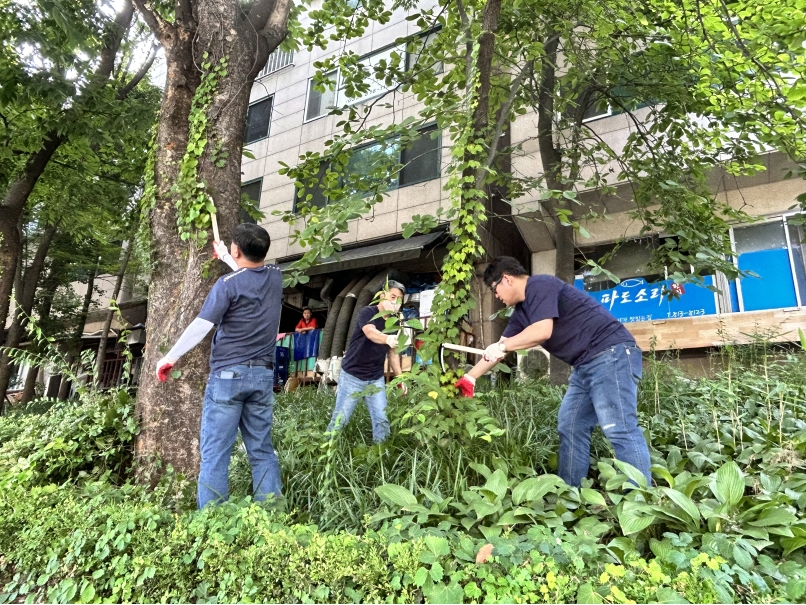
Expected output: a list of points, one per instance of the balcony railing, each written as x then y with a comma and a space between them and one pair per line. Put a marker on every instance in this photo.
277, 60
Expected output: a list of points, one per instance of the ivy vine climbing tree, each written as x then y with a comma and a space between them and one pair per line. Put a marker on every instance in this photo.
214, 49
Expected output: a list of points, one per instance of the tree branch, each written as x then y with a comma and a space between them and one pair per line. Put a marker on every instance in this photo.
117, 30
503, 117
156, 23
124, 90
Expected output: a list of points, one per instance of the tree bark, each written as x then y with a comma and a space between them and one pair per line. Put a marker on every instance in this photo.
21, 185
46, 294
110, 314
74, 344
25, 303
551, 158
170, 412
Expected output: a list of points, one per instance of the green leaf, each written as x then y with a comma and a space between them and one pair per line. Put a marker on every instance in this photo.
633, 473
88, 594
587, 595
591, 496
441, 593
728, 486
683, 501
497, 483
176, 374
774, 516
634, 518
396, 495
535, 488
438, 545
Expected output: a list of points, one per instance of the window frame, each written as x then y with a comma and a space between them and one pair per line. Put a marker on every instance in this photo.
425, 34
350, 102
269, 98
305, 118
397, 186
241, 211
781, 218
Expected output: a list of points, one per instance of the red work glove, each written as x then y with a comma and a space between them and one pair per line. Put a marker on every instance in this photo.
466, 385
403, 388
164, 367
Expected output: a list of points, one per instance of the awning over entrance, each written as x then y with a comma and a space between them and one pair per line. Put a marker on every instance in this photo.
386, 253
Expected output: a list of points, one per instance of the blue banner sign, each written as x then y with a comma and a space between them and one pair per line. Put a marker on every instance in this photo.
637, 300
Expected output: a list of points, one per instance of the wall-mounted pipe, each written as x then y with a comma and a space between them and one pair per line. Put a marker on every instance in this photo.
330, 323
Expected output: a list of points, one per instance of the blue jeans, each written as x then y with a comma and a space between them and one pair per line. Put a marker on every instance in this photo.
602, 391
240, 397
373, 392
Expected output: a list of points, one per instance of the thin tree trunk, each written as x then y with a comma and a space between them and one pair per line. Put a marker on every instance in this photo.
551, 158
25, 304
20, 188
170, 412
74, 352
110, 314
47, 292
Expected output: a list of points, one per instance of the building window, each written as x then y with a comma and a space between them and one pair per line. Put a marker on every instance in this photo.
416, 49
319, 103
421, 162
773, 252
767, 250
349, 96
251, 191
278, 59
258, 118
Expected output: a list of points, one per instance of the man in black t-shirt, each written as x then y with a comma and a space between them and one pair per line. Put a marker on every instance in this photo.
578, 330
362, 368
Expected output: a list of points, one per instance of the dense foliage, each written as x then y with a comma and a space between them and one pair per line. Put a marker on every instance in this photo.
409, 520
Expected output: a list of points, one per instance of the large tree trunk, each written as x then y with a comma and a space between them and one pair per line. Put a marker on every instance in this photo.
110, 314
74, 344
25, 304
170, 412
20, 187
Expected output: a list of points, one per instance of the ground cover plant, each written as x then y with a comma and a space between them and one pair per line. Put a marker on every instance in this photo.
460, 481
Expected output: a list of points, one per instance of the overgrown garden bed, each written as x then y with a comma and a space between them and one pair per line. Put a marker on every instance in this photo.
460, 481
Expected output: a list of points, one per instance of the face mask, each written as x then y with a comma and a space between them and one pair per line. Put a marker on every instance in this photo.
395, 306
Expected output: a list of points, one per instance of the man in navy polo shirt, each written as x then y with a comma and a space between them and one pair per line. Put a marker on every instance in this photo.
361, 375
574, 327
245, 305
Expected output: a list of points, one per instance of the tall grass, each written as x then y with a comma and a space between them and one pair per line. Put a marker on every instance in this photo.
331, 483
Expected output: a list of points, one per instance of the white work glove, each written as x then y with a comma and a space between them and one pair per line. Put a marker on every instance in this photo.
391, 340
493, 352
220, 250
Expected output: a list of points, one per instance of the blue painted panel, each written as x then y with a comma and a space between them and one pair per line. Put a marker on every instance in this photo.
734, 296
636, 300
776, 288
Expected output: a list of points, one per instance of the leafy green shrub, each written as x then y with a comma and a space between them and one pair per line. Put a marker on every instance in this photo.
71, 440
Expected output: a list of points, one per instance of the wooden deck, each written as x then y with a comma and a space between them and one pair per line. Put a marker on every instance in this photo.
778, 325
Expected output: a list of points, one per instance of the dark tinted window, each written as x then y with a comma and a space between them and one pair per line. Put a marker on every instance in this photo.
421, 160
257, 120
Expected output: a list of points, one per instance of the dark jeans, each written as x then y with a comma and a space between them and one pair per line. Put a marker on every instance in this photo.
240, 397
602, 391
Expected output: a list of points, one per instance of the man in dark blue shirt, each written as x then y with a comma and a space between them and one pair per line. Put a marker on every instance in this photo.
245, 305
361, 375
577, 329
